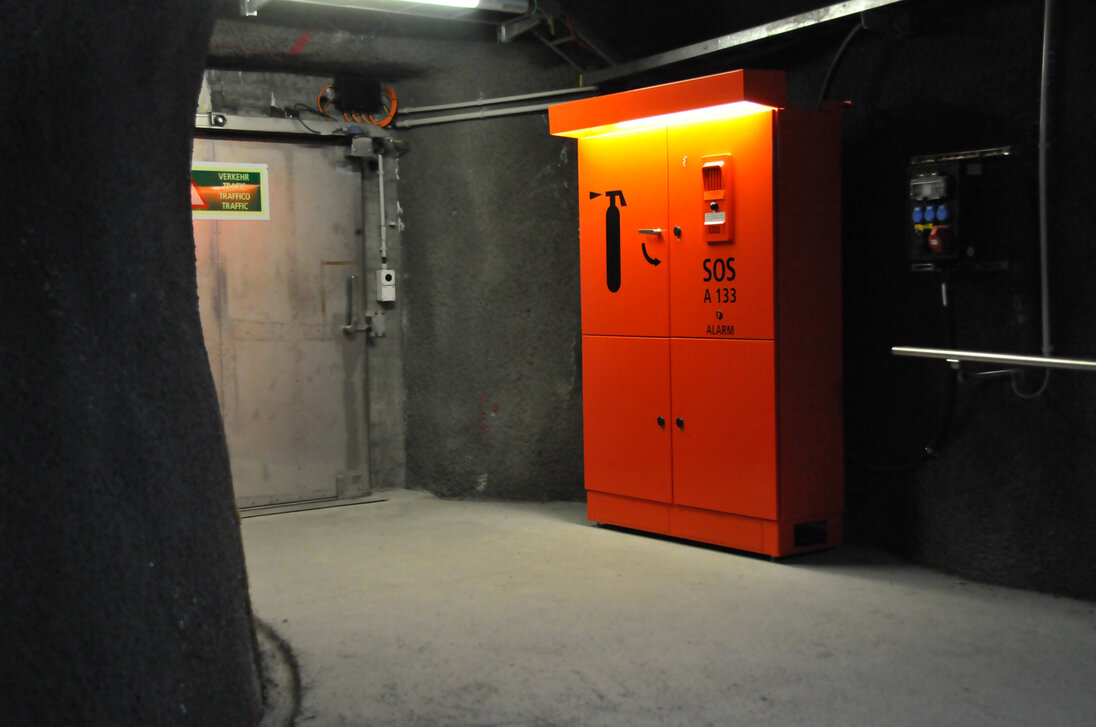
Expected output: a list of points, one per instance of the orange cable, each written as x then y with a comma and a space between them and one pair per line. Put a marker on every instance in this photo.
391, 94
319, 99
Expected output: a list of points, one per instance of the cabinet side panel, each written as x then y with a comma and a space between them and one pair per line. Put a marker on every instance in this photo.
808, 310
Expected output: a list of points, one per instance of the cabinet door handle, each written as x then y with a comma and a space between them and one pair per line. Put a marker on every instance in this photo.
680, 423
662, 421
651, 231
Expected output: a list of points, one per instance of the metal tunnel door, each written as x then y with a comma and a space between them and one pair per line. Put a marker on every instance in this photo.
272, 295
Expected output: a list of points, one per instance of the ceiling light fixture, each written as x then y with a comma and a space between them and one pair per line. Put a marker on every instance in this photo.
448, 3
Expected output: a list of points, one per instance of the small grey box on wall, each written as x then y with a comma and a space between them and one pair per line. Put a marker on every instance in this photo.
386, 285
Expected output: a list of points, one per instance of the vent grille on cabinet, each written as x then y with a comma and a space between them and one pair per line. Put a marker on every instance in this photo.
713, 178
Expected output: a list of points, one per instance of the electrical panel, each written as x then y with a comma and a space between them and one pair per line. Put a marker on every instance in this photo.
933, 213
709, 249
970, 210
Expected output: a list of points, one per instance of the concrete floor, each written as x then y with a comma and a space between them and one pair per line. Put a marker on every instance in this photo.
417, 611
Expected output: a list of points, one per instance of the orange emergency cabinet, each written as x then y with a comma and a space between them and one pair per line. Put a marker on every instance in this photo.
710, 229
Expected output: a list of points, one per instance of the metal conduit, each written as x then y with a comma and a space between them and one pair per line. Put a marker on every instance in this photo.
473, 115
494, 101
1044, 243
733, 40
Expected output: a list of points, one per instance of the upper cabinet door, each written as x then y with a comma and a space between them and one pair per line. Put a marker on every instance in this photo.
623, 234
721, 196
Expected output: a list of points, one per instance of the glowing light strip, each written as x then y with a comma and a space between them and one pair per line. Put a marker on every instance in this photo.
448, 3
708, 113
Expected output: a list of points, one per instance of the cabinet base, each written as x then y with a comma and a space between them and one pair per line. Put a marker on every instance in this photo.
776, 538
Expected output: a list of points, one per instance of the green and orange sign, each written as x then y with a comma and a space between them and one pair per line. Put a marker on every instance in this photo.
229, 191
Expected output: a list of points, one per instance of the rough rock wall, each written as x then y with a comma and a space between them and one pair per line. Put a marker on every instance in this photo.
124, 589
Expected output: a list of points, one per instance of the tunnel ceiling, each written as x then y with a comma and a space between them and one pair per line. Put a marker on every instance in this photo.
286, 36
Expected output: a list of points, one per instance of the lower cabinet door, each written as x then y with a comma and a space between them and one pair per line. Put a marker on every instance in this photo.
724, 426
626, 416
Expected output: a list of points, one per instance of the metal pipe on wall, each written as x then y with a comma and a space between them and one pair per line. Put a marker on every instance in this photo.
383, 217
1044, 243
497, 100
733, 40
367, 398
472, 116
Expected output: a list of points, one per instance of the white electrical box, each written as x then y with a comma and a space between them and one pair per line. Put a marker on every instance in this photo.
386, 285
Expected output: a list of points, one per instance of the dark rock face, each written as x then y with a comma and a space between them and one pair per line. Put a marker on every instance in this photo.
124, 589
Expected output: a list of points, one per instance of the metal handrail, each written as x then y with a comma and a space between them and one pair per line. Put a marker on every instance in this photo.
1045, 362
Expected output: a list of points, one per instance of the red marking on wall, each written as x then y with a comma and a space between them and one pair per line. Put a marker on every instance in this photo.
302, 41
486, 407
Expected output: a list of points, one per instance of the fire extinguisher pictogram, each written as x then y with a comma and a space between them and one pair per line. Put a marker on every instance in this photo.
612, 238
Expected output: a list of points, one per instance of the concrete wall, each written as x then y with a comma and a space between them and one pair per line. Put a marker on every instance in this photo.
488, 280
384, 354
124, 591
1008, 496
491, 274
492, 365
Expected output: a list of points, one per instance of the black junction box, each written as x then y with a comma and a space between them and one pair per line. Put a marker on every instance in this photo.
974, 210
358, 95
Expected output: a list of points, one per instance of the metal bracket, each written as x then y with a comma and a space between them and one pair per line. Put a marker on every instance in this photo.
372, 325
361, 147
962, 375
376, 324
251, 7
508, 31
372, 322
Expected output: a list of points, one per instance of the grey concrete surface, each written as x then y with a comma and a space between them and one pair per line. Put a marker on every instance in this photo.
420, 611
491, 287
281, 678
